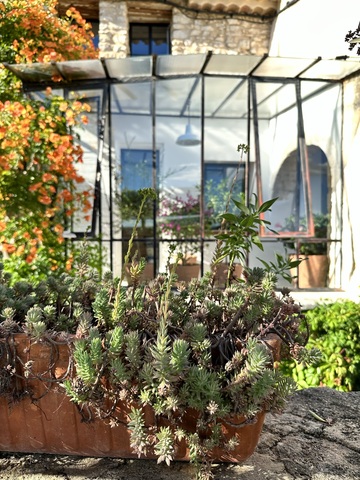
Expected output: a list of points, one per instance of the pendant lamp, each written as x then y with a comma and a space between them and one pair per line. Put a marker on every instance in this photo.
189, 138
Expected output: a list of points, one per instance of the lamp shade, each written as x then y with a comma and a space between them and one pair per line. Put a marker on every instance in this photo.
188, 138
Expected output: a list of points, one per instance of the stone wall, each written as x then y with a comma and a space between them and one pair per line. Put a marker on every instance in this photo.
225, 35
113, 29
189, 34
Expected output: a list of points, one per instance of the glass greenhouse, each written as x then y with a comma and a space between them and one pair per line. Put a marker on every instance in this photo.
175, 122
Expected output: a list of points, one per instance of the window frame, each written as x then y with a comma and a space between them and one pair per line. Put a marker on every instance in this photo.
150, 25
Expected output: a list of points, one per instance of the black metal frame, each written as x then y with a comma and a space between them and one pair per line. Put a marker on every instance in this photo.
105, 120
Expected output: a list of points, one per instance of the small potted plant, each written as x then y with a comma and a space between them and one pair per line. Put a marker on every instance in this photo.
313, 271
92, 367
219, 198
179, 222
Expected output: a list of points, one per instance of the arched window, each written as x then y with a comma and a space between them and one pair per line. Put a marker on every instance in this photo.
288, 184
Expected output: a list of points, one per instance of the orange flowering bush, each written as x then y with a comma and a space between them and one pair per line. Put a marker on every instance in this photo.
39, 152
38, 194
32, 31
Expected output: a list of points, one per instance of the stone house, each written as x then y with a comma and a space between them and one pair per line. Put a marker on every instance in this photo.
271, 74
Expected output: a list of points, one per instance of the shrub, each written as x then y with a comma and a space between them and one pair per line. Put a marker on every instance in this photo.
335, 331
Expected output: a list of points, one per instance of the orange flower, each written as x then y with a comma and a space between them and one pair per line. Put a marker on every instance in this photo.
29, 258
47, 177
63, 106
9, 248
20, 250
67, 196
58, 228
35, 187
69, 263
54, 137
44, 199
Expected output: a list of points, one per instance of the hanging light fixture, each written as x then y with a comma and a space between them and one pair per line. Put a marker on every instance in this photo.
189, 138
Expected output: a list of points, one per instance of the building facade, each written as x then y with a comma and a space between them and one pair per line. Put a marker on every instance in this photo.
232, 72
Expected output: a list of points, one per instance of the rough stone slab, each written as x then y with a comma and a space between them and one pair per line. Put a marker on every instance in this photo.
316, 438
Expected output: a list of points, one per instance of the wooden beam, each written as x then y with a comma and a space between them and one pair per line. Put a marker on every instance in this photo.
89, 9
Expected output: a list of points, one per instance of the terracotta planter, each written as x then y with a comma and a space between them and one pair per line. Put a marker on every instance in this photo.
148, 273
186, 273
222, 273
312, 272
48, 422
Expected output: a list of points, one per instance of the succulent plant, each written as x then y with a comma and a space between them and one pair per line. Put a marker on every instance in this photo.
177, 348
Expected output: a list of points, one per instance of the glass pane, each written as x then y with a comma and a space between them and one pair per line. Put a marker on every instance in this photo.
322, 120
89, 141
171, 97
310, 88
179, 64
35, 72
231, 64
81, 69
221, 178
140, 40
282, 67
132, 98
178, 138
135, 173
221, 95
235, 106
331, 69
282, 164
160, 40
276, 99
126, 68
265, 90
133, 157
222, 162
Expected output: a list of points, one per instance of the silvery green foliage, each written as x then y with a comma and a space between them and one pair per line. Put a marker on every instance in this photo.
178, 349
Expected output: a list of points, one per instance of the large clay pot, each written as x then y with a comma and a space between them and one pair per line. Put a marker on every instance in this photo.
147, 274
312, 271
186, 273
222, 273
48, 422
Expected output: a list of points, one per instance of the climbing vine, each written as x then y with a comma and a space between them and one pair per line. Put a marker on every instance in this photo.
39, 151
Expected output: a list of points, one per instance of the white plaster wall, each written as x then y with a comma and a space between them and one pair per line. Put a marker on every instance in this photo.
312, 28
351, 149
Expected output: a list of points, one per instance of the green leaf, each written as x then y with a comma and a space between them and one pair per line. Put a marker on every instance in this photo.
264, 207
229, 217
